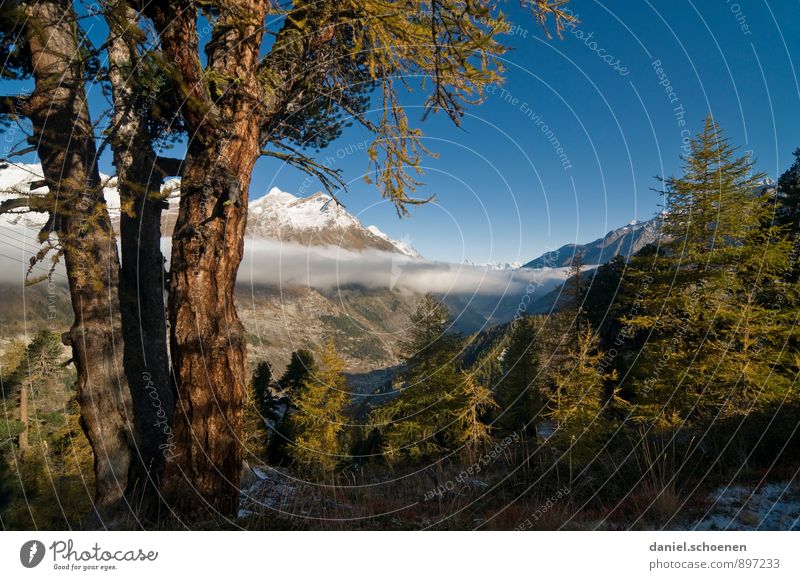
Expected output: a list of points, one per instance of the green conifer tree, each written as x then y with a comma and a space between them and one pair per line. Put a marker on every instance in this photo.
320, 419
262, 396
422, 418
301, 367
715, 332
789, 195
577, 402
518, 390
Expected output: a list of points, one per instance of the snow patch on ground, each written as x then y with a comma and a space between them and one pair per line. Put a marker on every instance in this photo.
273, 489
772, 506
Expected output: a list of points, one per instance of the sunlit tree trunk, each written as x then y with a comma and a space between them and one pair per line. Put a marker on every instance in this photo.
206, 336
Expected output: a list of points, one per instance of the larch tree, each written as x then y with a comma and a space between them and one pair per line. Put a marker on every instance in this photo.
578, 401
718, 340
37, 366
475, 401
245, 100
141, 117
422, 419
319, 422
127, 314
249, 98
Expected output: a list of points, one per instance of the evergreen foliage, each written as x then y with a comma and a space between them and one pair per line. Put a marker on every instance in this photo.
577, 403
789, 195
717, 336
517, 393
320, 419
261, 384
301, 367
421, 419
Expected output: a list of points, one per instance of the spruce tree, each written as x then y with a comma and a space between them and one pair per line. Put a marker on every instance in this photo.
518, 390
320, 419
788, 211
301, 367
789, 195
262, 395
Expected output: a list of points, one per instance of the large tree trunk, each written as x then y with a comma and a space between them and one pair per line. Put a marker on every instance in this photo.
62, 133
142, 282
206, 337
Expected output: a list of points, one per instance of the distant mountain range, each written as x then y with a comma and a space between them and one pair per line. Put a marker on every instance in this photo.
624, 241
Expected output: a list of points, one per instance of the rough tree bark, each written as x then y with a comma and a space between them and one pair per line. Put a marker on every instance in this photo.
206, 336
63, 137
142, 283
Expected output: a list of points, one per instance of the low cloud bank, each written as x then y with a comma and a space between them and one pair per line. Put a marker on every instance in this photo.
289, 265
275, 263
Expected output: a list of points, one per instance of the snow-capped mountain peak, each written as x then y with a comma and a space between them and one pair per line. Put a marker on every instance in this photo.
624, 241
284, 211
403, 245
275, 196
494, 266
316, 220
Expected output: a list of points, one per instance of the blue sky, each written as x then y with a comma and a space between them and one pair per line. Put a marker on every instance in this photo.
618, 93
503, 193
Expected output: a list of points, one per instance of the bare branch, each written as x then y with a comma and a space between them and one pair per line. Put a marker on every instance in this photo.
21, 152
12, 204
17, 203
331, 179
